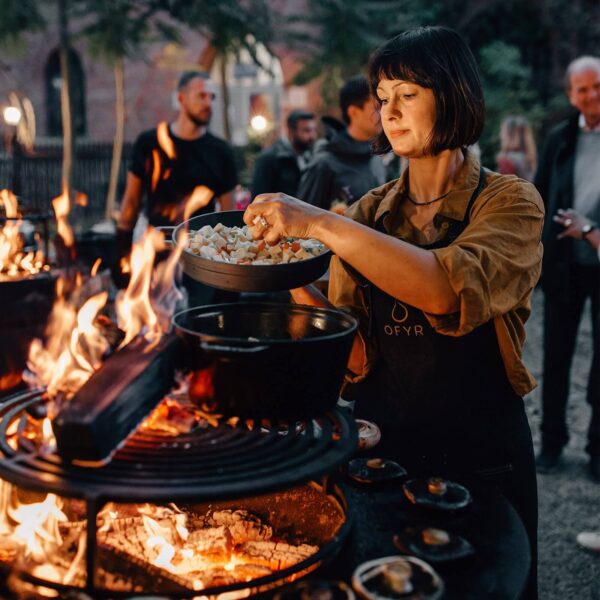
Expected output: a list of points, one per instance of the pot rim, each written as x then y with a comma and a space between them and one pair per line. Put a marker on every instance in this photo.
336, 313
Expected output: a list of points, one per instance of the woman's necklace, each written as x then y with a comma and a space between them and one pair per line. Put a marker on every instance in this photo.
429, 202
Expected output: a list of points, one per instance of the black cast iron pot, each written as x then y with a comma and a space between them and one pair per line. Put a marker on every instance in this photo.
266, 360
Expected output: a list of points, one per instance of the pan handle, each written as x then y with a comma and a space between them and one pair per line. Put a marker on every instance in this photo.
208, 347
167, 230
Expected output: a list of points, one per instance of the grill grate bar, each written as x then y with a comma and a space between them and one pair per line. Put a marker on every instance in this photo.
207, 463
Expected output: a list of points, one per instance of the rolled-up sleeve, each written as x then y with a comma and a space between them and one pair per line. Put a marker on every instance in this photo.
496, 261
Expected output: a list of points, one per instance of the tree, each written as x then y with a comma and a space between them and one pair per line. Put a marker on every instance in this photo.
523, 49
230, 25
508, 90
115, 30
336, 37
18, 17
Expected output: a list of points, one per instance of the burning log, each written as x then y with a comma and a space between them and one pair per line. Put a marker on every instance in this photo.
115, 399
214, 545
244, 527
137, 572
275, 555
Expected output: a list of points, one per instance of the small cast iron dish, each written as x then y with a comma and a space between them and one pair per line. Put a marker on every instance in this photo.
397, 577
316, 590
369, 434
375, 470
437, 493
432, 544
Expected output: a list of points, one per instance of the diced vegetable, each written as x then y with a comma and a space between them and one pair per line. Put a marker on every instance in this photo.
236, 245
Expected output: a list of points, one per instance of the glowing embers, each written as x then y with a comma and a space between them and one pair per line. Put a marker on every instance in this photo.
15, 261
167, 548
33, 534
218, 548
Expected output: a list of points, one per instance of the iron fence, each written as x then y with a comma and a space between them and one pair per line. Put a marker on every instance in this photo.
36, 177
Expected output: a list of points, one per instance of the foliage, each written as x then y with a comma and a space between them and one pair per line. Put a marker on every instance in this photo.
18, 17
523, 48
229, 24
508, 91
336, 37
116, 29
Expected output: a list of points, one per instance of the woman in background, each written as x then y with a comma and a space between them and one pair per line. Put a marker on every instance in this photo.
439, 267
518, 155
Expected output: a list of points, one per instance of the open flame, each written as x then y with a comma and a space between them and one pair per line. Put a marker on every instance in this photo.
165, 141
146, 306
62, 206
199, 198
76, 345
168, 147
34, 527
200, 195
74, 349
13, 261
38, 525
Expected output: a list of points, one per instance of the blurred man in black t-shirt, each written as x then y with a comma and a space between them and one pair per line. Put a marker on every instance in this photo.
172, 161
167, 170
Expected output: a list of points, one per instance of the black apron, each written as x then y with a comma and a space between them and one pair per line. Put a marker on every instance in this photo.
444, 403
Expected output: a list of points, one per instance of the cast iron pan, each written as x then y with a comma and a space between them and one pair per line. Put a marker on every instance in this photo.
246, 278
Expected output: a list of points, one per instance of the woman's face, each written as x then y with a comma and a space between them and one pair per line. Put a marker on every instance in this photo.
407, 115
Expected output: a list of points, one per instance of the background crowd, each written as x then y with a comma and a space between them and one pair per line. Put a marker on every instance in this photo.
542, 125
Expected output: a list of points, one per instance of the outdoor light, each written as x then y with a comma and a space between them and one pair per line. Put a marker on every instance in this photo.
258, 123
12, 115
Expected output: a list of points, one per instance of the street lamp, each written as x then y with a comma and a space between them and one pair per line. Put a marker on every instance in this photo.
258, 123
12, 117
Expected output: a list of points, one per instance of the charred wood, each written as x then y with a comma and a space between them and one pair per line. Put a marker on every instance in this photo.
115, 400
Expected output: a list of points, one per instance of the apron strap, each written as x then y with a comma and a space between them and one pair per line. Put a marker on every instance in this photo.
454, 233
459, 226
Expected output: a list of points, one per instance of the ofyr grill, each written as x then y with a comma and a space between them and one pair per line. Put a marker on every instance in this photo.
263, 470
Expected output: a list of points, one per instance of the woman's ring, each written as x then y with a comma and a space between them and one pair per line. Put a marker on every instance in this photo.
568, 222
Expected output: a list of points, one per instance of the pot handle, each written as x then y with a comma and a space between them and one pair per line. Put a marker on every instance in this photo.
208, 347
167, 230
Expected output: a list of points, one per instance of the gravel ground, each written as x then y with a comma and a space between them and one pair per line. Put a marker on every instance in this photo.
569, 501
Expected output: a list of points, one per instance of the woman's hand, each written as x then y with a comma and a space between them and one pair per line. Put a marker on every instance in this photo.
276, 216
572, 221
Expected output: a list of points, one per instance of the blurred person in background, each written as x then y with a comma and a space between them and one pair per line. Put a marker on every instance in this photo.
344, 167
518, 154
578, 227
280, 166
568, 177
168, 163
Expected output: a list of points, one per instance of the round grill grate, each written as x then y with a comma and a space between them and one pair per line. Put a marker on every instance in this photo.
205, 464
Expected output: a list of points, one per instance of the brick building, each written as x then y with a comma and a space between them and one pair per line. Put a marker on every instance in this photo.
33, 72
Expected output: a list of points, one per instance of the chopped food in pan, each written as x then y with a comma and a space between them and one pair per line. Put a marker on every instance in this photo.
236, 245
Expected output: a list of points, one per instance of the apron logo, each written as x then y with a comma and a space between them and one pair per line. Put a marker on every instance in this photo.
399, 312
400, 315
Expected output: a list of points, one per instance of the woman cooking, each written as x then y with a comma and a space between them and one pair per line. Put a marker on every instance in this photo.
439, 266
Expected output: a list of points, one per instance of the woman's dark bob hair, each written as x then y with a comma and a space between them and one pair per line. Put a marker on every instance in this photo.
436, 58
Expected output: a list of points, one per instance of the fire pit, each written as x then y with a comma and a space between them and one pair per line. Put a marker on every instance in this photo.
27, 286
256, 478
